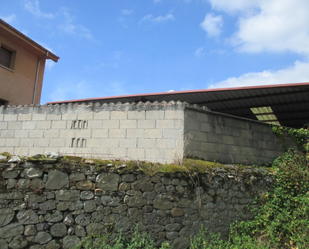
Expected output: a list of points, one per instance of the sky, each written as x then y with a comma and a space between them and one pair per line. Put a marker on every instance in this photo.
124, 47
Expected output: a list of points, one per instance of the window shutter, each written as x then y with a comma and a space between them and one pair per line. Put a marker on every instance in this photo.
5, 57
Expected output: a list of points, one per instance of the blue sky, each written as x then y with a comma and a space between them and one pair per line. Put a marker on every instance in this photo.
121, 47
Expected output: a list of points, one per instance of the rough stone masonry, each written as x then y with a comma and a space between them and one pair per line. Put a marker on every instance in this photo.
50, 204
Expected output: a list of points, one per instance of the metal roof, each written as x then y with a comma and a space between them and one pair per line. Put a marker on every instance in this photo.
289, 102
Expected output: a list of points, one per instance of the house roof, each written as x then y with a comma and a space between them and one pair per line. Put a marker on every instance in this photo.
24, 41
289, 102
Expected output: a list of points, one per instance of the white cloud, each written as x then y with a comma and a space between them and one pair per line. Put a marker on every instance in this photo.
33, 7
200, 52
158, 19
212, 25
9, 19
268, 25
156, 1
127, 12
69, 27
297, 73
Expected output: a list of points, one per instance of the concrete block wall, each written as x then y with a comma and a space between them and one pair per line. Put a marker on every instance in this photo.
143, 131
229, 139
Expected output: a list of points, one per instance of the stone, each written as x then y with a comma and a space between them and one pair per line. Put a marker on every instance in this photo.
51, 155
110, 201
90, 206
84, 185
97, 217
23, 184
61, 206
181, 243
57, 179
76, 205
70, 241
42, 238
82, 219
180, 189
11, 183
27, 217
58, 230
175, 182
11, 230
150, 218
177, 212
134, 215
69, 220
80, 231
135, 201
96, 228
33, 198
124, 186
108, 182
53, 244
30, 230
3, 157
77, 177
14, 159
128, 178
48, 205
162, 204
121, 208
68, 195
159, 187
37, 184
42, 226
31, 173
123, 225
6, 216
166, 181
3, 244
146, 186
10, 174
187, 232
11, 196
86, 195
55, 216
171, 235
18, 242
173, 227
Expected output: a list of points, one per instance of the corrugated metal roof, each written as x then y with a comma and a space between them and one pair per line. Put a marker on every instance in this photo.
289, 102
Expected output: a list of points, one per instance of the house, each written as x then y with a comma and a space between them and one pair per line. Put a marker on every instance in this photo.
22, 64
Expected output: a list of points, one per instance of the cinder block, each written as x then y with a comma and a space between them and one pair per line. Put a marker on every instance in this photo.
36, 133
24, 117
131, 133
199, 136
12, 142
118, 153
51, 133
28, 125
10, 117
179, 124
208, 147
174, 114
177, 134
146, 124
21, 133
119, 115
153, 133
67, 133
116, 133
110, 143
94, 143
85, 116
102, 153
166, 143
154, 115
83, 133
128, 124
1, 117
57, 142
43, 125
214, 138
146, 143
22, 151
36, 150
41, 142
227, 139
207, 127
95, 124
128, 143
2, 142
101, 133
165, 124
136, 154
7, 149
202, 118
3, 125
38, 117
111, 124
14, 125
53, 117
154, 154
67, 151
59, 124
191, 125
7, 133
173, 156
69, 116
26, 142
137, 115
103, 115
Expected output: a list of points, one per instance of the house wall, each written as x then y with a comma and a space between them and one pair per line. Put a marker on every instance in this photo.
17, 84
229, 139
145, 131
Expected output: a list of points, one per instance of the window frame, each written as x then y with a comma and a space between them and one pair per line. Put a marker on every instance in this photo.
12, 57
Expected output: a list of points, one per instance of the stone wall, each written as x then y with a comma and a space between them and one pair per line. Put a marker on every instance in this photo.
56, 205
229, 139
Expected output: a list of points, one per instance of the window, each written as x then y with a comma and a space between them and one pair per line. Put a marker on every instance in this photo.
265, 114
3, 102
7, 57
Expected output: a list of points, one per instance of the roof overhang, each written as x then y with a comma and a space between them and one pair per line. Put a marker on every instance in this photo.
24, 41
